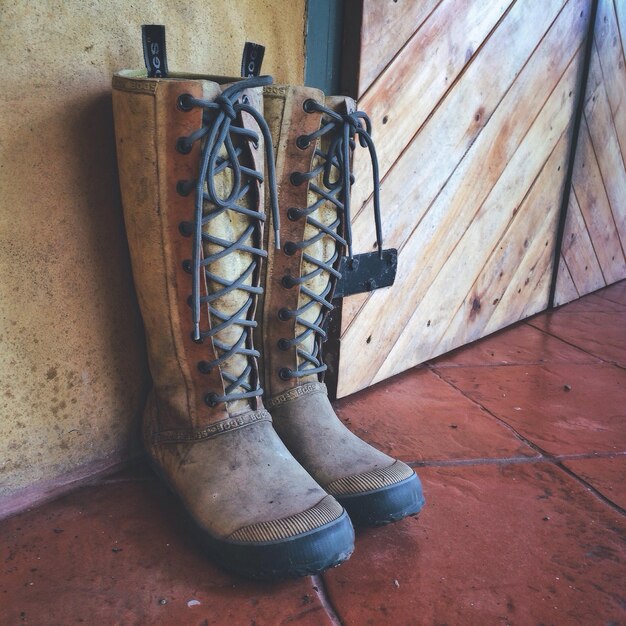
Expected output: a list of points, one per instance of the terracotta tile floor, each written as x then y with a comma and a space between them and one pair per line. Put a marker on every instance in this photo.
520, 440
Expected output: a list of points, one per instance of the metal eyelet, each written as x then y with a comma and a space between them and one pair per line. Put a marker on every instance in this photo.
211, 399
245, 99
293, 214
284, 315
309, 105
192, 335
283, 344
183, 102
203, 367
303, 142
288, 282
285, 373
296, 179
290, 248
187, 266
184, 187
183, 145
185, 229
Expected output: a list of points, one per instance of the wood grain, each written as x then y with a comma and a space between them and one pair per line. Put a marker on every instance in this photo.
407, 91
432, 156
474, 151
606, 147
596, 210
611, 54
495, 297
452, 213
478, 227
386, 27
566, 290
578, 253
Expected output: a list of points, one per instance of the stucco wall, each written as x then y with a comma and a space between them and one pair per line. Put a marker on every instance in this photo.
73, 371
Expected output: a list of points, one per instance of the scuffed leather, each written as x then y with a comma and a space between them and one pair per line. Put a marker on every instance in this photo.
319, 440
236, 479
245, 475
307, 422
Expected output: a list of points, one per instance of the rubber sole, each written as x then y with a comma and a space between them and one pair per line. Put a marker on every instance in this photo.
386, 505
305, 554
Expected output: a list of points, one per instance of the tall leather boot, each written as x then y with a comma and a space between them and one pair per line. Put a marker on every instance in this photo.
191, 154
313, 140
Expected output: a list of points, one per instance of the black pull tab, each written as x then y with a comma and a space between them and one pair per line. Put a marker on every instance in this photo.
154, 53
252, 59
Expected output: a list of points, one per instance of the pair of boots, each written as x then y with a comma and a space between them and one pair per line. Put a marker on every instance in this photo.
234, 311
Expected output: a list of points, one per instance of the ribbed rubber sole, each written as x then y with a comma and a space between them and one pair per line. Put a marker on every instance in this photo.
303, 555
386, 505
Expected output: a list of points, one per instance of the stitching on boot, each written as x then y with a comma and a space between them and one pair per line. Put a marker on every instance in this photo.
213, 430
293, 394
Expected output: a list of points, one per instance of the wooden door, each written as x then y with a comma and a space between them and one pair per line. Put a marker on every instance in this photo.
472, 105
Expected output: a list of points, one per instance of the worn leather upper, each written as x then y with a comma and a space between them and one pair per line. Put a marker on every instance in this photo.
225, 462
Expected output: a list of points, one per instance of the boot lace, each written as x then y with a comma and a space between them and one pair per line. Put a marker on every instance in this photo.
220, 135
334, 168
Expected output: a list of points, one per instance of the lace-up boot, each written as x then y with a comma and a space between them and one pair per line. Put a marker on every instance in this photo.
191, 156
313, 139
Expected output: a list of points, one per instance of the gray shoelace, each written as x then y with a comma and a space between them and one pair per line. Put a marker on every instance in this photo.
218, 130
336, 179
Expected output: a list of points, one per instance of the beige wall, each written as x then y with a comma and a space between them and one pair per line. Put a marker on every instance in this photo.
73, 372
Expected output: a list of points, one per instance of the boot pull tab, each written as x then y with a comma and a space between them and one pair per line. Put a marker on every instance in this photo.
252, 59
154, 53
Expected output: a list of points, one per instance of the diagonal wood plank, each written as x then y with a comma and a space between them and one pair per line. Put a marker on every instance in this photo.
401, 98
620, 13
430, 159
611, 53
596, 210
606, 148
565, 288
577, 251
522, 252
416, 180
478, 229
386, 27
440, 230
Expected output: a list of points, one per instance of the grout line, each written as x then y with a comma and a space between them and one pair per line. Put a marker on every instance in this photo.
319, 585
604, 360
510, 428
542, 454
616, 507
518, 460
453, 366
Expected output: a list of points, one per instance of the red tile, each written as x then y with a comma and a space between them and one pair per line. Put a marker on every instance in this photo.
505, 544
118, 553
416, 416
515, 345
593, 303
563, 408
615, 292
600, 334
607, 475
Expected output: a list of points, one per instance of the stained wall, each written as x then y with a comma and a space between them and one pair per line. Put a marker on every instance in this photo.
73, 370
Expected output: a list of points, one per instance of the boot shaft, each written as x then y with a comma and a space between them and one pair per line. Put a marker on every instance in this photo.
300, 278
159, 163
